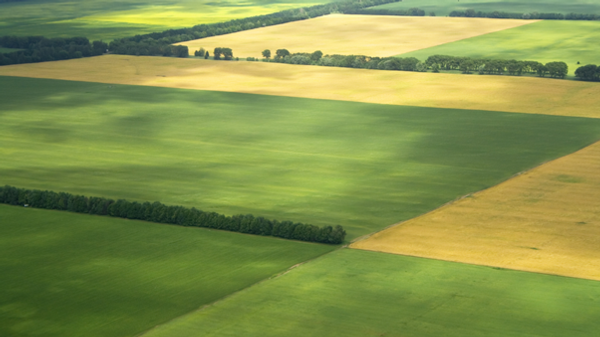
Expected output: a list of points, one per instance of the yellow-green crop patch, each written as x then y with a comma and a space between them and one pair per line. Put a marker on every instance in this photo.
109, 19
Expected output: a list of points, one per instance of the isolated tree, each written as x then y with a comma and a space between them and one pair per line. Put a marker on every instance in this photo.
557, 69
281, 53
217, 53
201, 52
266, 53
589, 72
206, 55
316, 56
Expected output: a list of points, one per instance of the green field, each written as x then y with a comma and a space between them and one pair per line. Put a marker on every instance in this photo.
544, 41
110, 19
363, 166
444, 7
66, 274
357, 293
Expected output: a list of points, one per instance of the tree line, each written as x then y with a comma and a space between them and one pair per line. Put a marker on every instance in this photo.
468, 65
590, 72
139, 44
471, 13
41, 49
397, 12
176, 215
434, 63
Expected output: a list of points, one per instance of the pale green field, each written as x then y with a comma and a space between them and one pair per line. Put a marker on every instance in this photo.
110, 19
544, 41
351, 293
444, 7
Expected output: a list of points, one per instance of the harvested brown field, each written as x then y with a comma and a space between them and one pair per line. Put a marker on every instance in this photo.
497, 93
369, 35
546, 220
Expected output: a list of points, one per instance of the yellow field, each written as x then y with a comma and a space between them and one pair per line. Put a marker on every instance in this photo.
370, 35
498, 93
546, 220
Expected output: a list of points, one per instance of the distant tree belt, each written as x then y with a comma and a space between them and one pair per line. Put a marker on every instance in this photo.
470, 13
143, 44
397, 12
435, 63
590, 72
177, 215
40, 49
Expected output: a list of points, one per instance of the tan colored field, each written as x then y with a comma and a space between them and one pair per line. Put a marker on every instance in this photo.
498, 93
369, 35
546, 220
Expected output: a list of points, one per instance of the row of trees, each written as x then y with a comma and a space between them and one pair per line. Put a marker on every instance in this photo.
177, 215
590, 72
471, 13
496, 67
396, 12
435, 63
206, 30
147, 48
41, 49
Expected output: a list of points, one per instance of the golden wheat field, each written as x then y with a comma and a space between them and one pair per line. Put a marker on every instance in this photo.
546, 220
369, 35
497, 93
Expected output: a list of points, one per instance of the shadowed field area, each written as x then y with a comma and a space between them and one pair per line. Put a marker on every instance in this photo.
544, 41
363, 166
497, 93
354, 35
546, 220
354, 293
66, 274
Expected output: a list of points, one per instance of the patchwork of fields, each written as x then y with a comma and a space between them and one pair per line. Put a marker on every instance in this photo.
361, 148
358, 293
110, 19
444, 7
474, 92
543, 41
546, 220
369, 35
67, 274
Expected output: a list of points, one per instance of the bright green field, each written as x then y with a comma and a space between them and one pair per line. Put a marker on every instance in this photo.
545, 41
66, 274
444, 7
363, 166
358, 293
110, 19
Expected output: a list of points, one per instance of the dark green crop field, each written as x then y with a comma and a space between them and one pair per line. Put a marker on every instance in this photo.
545, 41
444, 7
357, 293
110, 19
65, 274
363, 166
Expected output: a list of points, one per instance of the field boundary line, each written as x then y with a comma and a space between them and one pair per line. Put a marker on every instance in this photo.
397, 224
224, 298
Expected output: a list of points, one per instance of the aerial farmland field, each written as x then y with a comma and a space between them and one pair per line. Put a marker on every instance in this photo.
358, 293
545, 220
543, 41
369, 35
363, 166
72, 275
109, 19
490, 180
444, 7
454, 91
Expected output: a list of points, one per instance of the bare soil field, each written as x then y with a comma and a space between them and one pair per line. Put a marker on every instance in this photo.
496, 93
370, 35
546, 220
